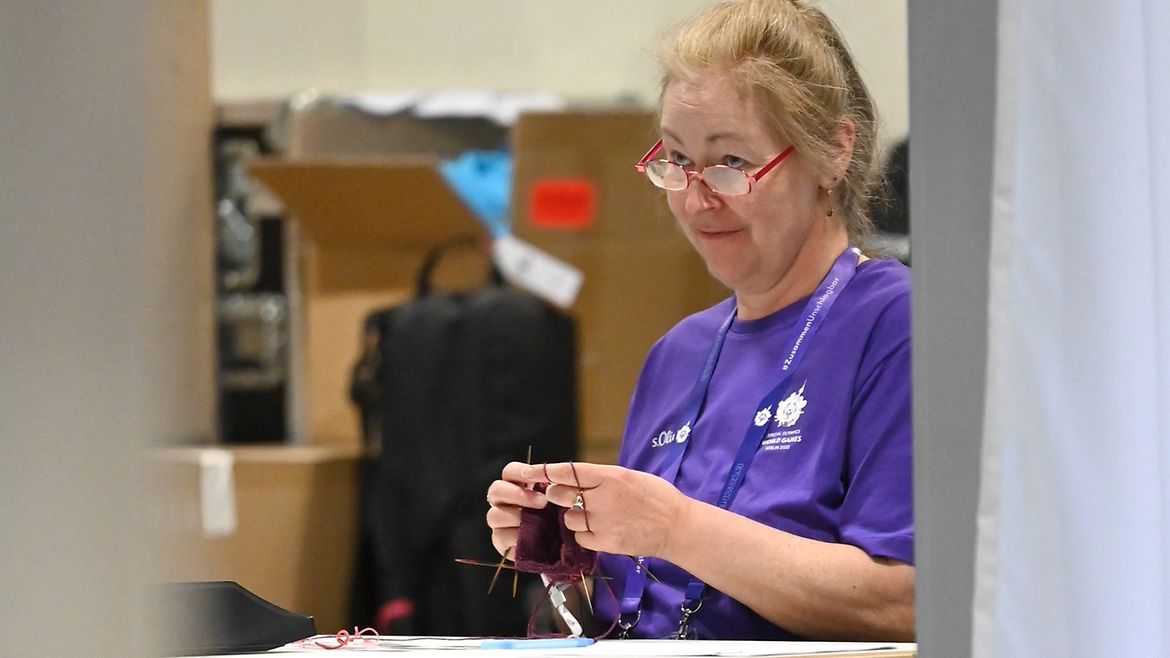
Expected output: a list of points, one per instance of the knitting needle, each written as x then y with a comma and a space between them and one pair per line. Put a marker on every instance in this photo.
516, 574
588, 598
496, 575
480, 563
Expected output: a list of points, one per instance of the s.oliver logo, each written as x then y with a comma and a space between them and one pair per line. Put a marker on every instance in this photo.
667, 437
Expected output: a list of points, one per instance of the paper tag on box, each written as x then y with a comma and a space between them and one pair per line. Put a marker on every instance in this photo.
217, 492
538, 272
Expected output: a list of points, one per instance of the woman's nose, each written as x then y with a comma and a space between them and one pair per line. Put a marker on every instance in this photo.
699, 196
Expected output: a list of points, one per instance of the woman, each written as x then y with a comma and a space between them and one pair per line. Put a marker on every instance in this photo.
765, 472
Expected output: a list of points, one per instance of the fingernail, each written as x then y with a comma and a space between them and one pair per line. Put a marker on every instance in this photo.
527, 472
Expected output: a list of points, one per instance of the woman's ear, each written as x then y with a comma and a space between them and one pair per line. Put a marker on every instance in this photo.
843, 140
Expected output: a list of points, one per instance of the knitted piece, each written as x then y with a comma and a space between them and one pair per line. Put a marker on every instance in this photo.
545, 546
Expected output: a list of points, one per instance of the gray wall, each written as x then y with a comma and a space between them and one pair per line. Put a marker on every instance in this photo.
952, 111
105, 306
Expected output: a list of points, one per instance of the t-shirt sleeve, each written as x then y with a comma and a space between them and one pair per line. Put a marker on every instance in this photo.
877, 513
640, 401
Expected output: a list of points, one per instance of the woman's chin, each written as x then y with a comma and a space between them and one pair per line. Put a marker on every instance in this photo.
730, 274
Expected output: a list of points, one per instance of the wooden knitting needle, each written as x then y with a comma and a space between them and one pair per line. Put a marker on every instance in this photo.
495, 565
516, 574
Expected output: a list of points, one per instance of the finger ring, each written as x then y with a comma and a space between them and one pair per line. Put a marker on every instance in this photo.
579, 502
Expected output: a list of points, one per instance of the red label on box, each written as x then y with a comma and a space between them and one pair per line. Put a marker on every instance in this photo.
565, 203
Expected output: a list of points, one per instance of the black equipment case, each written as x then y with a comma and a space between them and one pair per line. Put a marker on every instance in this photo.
453, 385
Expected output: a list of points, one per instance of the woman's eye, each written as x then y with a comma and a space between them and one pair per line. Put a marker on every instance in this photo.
680, 159
735, 161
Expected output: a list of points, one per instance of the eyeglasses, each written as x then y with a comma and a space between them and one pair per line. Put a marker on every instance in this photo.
721, 179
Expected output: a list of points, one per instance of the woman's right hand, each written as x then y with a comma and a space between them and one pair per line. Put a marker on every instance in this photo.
503, 517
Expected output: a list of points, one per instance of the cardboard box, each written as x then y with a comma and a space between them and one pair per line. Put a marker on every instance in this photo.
325, 126
641, 274
295, 511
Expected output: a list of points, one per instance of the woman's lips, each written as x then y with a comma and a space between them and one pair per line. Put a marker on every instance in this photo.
716, 234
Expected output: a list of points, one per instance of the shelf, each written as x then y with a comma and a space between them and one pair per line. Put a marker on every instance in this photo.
264, 454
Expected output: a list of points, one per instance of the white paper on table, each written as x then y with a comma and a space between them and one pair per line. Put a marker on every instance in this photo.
443, 647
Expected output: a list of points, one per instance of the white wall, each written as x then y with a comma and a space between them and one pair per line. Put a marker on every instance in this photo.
597, 49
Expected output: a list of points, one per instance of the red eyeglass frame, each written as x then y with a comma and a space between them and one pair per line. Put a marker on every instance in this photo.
691, 174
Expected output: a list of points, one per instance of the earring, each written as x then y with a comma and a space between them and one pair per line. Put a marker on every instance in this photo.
829, 193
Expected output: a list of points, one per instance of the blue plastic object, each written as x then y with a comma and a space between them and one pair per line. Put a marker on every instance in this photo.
483, 181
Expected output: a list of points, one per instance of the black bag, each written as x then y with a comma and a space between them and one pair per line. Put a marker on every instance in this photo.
454, 386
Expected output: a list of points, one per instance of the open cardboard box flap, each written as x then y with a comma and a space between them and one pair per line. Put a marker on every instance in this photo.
390, 203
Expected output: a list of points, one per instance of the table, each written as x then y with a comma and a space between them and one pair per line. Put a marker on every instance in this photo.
447, 647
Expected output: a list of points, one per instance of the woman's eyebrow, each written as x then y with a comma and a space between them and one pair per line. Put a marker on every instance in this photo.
710, 139
724, 136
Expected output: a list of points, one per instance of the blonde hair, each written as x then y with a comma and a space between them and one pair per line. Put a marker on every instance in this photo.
791, 61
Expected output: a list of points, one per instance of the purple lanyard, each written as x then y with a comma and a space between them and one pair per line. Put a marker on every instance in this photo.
815, 312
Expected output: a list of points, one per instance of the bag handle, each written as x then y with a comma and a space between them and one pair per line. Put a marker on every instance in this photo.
423, 287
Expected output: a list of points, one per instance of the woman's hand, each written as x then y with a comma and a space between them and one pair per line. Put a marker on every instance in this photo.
503, 517
625, 512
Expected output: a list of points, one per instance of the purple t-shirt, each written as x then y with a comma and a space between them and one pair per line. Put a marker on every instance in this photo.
835, 463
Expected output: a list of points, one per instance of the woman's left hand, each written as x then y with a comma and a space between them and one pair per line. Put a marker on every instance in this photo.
626, 512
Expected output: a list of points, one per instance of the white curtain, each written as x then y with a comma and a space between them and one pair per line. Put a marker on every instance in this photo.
1073, 555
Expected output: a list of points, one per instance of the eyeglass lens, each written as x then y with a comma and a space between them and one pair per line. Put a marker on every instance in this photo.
720, 178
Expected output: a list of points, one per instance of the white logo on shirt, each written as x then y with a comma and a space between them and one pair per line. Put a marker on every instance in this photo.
667, 437
763, 416
790, 410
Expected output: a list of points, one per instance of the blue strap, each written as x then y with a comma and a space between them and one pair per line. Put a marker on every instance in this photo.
695, 403
814, 314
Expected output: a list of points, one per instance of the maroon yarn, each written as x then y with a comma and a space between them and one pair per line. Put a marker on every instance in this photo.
545, 546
